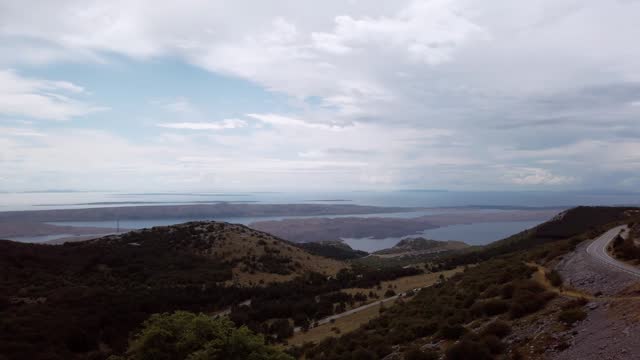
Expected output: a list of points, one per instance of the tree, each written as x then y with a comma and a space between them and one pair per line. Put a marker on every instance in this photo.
187, 336
282, 329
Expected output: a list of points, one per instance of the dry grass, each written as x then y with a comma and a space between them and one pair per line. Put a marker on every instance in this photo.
540, 277
345, 324
405, 283
243, 246
354, 321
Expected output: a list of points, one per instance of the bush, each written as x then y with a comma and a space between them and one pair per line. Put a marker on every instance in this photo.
363, 354
575, 303
467, 350
554, 278
389, 293
497, 328
452, 332
528, 297
182, 335
416, 354
495, 307
571, 316
493, 343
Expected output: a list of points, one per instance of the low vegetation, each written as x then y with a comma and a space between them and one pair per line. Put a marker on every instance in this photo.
183, 335
473, 311
628, 248
82, 300
443, 312
573, 311
333, 249
578, 224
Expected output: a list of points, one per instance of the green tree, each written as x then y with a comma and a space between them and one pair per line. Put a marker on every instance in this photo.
187, 336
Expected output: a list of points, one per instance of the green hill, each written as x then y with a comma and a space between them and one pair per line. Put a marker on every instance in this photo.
81, 300
578, 221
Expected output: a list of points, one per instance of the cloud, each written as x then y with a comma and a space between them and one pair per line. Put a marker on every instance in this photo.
535, 176
22, 132
281, 120
219, 125
427, 31
413, 93
41, 99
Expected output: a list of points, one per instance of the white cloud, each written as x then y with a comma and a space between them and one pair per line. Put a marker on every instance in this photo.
26, 132
415, 93
219, 125
280, 120
535, 176
41, 99
427, 31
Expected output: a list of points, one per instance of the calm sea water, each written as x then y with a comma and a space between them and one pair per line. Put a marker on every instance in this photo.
472, 234
478, 233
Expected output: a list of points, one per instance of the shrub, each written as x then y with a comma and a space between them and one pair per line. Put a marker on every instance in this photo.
575, 303
416, 354
571, 316
528, 297
182, 335
493, 343
554, 278
363, 354
389, 293
495, 307
497, 328
507, 291
468, 349
452, 332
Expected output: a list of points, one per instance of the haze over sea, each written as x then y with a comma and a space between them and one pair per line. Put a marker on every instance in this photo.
10, 201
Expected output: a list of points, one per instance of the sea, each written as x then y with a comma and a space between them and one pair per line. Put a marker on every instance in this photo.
436, 201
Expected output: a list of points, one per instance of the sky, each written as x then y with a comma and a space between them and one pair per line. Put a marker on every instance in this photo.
197, 95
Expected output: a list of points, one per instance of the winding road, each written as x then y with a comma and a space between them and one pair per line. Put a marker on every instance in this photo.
354, 310
598, 250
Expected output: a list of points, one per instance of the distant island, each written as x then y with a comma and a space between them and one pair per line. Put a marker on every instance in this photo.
36, 222
320, 229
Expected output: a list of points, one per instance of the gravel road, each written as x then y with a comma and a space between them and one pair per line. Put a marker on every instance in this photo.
611, 330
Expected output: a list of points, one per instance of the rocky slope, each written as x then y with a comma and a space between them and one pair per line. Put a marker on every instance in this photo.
254, 257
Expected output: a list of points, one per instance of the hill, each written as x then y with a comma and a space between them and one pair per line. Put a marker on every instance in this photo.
580, 221
418, 246
252, 257
333, 249
503, 307
81, 300
320, 229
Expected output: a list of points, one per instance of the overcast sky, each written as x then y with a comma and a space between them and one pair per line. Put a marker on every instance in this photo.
319, 95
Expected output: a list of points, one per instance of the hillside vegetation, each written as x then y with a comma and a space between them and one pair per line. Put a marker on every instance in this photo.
472, 315
579, 221
333, 249
83, 300
419, 245
79, 298
628, 248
